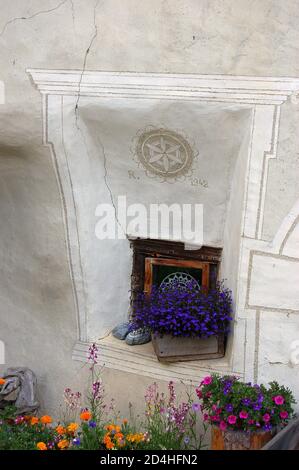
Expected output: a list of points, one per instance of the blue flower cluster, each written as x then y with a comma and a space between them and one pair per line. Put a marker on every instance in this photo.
184, 311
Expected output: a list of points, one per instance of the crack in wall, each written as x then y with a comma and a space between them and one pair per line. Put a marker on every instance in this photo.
40, 12
77, 117
93, 37
73, 10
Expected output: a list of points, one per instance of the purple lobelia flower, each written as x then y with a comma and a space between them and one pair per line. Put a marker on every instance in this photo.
185, 311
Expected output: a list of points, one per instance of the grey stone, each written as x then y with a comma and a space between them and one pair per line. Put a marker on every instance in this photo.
121, 330
140, 336
19, 390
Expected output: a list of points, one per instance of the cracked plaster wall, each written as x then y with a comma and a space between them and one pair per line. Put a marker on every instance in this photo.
255, 37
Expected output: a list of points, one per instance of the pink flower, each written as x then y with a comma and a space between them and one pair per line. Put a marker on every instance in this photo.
205, 417
279, 400
215, 418
232, 419
199, 393
266, 417
243, 414
214, 407
222, 425
283, 414
207, 380
251, 421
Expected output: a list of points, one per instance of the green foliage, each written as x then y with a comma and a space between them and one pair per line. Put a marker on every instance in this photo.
23, 436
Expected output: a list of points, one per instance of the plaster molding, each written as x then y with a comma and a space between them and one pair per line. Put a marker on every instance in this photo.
142, 360
286, 228
219, 88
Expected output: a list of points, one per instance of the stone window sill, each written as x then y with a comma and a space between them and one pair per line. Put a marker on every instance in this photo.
141, 360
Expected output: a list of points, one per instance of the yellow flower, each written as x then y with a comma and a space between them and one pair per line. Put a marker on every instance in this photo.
41, 446
60, 430
85, 415
2, 381
63, 444
46, 419
72, 427
34, 420
138, 437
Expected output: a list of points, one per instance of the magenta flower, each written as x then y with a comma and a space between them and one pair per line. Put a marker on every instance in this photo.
232, 419
215, 418
279, 400
223, 425
207, 380
243, 414
266, 417
205, 417
283, 414
93, 354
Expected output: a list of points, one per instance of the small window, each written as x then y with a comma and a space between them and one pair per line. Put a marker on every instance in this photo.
158, 261
164, 271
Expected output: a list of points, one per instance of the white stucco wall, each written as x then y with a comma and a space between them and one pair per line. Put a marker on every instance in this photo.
257, 37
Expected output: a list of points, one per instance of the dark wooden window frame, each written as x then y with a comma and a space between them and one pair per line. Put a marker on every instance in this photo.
182, 263
168, 250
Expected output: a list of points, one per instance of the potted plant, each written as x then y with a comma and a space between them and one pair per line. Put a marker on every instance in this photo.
243, 416
186, 323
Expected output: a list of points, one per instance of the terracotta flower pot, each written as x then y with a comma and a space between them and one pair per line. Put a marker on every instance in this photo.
239, 440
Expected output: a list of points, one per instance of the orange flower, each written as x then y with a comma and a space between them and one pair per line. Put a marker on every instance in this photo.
109, 427
63, 444
108, 443
2, 381
72, 427
41, 446
34, 420
46, 419
125, 421
85, 415
118, 435
60, 430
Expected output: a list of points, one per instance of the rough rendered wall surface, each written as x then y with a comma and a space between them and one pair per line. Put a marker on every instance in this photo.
244, 37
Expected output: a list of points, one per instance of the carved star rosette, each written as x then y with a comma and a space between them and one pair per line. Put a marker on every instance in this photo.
165, 154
